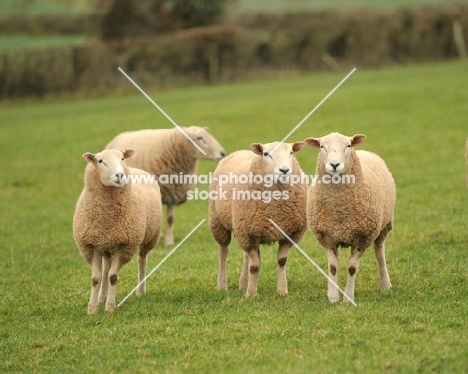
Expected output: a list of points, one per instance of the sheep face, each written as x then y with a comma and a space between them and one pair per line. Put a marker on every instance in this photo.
280, 161
110, 165
335, 151
205, 141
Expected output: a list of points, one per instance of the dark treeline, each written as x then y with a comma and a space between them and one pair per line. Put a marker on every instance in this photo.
214, 47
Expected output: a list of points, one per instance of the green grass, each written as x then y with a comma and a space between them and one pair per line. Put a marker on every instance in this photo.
87, 6
415, 117
22, 42
45, 6
317, 5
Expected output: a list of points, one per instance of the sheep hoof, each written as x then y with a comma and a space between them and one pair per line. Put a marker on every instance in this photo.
251, 294
222, 287
168, 241
385, 287
334, 299
141, 290
93, 309
282, 291
110, 307
346, 300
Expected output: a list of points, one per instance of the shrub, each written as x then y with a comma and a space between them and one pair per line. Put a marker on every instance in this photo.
144, 17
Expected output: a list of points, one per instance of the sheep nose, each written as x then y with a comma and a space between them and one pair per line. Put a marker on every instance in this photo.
334, 166
120, 176
284, 169
222, 154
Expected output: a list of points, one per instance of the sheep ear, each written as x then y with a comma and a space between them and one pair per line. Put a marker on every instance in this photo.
297, 146
357, 139
193, 131
206, 128
313, 142
89, 157
257, 148
128, 152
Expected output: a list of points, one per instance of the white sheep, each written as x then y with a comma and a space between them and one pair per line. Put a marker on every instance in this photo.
245, 209
169, 152
113, 220
346, 213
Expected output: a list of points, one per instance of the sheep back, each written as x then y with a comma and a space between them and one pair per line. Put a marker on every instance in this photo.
161, 152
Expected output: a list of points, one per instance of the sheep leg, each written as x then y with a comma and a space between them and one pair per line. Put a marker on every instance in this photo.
117, 262
143, 252
282, 257
244, 276
222, 275
333, 263
353, 267
223, 238
105, 277
96, 277
254, 271
379, 249
169, 237
141, 290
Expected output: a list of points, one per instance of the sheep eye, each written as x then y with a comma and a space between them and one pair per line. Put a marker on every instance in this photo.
265, 153
100, 161
348, 146
122, 158
322, 147
200, 138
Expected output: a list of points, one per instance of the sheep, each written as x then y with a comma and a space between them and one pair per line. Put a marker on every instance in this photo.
233, 211
169, 152
113, 219
354, 214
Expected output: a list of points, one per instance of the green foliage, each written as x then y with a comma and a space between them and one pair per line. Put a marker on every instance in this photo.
414, 117
142, 17
251, 46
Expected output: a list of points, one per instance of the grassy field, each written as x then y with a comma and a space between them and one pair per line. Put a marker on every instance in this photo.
22, 42
414, 116
86, 6
45, 6
301, 5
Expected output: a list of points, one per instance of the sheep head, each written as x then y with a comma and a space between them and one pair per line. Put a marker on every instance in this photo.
280, 161
205, 141
335, 151
110, 165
